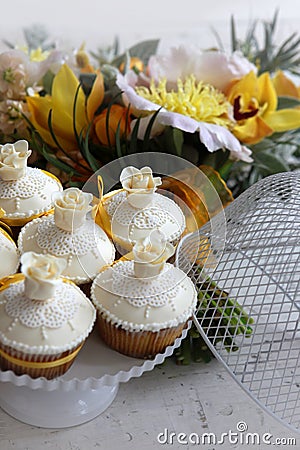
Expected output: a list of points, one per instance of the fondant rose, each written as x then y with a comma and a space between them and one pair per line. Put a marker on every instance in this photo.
70, 208
13, 160
42, 274
150, 254
140, 185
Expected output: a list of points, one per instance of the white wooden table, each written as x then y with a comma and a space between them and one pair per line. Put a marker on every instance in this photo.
199, 398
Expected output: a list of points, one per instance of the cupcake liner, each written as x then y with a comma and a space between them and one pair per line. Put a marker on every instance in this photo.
35, 372
137, 344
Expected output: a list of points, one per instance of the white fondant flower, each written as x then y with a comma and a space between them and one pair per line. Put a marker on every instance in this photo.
13, 160
140, 185
42, 274
70, 208
150, 254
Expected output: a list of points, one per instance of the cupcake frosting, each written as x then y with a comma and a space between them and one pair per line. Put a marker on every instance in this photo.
134, 211
25, 192
160, 296
71, 234
8, 254
42, 313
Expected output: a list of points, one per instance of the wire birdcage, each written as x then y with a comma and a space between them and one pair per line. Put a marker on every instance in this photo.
248, 283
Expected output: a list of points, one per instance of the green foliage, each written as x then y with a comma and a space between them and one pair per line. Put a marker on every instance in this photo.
109, 56
36, 36
268, 56
280, 153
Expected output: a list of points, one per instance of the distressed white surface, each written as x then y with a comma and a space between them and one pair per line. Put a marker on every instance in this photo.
192, 399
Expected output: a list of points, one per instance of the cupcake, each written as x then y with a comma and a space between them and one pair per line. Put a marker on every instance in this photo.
70, 234
25, 192
44, 319
9, 254
133, 212
143, 305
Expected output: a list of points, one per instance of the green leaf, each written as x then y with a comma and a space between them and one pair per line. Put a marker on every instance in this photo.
48, 81
269, 163
286, 102
118, 140
146, 139
58, 163
234, 44
133, 147
85, 151
87, 81
35, 36
143, 50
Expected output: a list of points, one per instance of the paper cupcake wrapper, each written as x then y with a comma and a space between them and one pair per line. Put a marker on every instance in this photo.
137, 344
48, 366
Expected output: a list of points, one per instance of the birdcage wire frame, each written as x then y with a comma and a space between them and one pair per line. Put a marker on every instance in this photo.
248, 284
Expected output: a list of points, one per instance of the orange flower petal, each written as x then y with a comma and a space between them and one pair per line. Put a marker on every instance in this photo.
96, 96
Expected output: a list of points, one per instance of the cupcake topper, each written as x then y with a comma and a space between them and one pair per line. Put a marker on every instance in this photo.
150, 255
70, 208
13, 160
140, 185
42, 274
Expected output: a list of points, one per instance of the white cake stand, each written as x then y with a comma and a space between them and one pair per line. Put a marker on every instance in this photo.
80, 395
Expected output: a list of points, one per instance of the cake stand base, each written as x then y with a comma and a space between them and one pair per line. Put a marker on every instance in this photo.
82, 393
55, 409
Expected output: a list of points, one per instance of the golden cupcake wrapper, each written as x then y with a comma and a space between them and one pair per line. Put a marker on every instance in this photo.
6, 230
20, 222
37, 364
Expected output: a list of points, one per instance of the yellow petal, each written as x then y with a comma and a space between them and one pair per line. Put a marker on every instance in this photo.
284, 119
267, 95
96, 96
245, 87
253, 130
284, 85
39, 108
64, 88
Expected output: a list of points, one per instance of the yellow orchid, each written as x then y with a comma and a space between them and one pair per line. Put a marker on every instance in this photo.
61, 103
254, 101
284, 86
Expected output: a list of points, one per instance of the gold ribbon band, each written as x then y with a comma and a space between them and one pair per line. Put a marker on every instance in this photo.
39, 365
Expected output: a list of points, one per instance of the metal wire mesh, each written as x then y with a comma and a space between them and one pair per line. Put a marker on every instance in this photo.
248, 285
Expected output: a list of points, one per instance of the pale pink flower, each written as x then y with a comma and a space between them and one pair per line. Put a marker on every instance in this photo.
13, 76
11, 119
214, 67
18, 72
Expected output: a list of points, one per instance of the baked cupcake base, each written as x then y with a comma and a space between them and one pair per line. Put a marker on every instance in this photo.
137, 344
47, 366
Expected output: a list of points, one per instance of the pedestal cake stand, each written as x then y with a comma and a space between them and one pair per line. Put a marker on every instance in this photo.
80, 395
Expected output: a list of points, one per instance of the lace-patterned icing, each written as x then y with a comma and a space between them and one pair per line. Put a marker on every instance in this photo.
161, 212
59, 242
113, 202
139, 292
34, 313
33, 183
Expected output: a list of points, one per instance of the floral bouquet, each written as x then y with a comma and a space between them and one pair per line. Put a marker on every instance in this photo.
233, 113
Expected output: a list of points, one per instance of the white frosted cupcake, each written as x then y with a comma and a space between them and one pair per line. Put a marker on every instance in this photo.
9, 255
70, 234
44, 319
25, 192
132, 213
143, 305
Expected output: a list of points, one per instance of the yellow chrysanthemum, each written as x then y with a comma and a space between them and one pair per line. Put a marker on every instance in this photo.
197, 100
